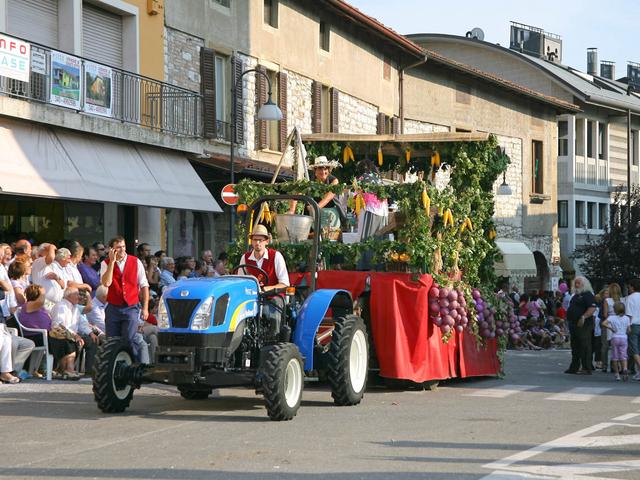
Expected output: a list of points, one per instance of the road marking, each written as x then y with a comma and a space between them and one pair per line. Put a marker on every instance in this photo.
518, 466
501, 392
628, 416
578, 394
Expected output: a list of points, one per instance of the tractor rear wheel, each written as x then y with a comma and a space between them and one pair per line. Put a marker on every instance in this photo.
348, 360
282, 377
111, 389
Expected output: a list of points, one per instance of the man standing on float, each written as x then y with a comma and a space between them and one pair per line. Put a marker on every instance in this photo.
128, 295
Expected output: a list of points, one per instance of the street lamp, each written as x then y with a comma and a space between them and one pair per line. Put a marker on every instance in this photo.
268, 111
504, 188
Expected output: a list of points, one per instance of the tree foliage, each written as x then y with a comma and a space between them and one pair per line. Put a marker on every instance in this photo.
615, 255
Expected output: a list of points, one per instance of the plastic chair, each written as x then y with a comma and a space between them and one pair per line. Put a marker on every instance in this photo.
45, 348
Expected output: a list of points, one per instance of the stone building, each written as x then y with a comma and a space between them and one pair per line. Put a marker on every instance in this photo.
593, 154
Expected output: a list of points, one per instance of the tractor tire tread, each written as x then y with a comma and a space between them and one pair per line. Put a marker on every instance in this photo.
102, 391
273, 369
338, 361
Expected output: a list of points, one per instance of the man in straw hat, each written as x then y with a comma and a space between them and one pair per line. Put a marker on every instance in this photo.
273, 263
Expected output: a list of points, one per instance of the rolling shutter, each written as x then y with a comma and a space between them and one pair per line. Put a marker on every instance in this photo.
261, 98
101, 36
335, 111
35, 20
208, 84
282, 103
380, 123
236, 68
395, 125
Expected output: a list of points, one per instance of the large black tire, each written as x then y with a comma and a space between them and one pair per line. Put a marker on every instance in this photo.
348, 360
193, 393
113, 395
282, 377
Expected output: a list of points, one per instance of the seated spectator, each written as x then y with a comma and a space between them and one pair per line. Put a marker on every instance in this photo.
23, 247
74, 278
150, 328
523, 308
54, 278
160, 254
102, 254
7, 299
67, 315
6, 365
207, 257
184, 273
88, 274
95, 316
167, 266
46, 253
219, 268
19, 275
201, 269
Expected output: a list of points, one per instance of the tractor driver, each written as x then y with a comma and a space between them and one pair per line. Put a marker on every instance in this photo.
272, 262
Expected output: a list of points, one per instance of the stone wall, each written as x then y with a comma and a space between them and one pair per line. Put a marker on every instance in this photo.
356, 116
182, 59
298, 102
416, 126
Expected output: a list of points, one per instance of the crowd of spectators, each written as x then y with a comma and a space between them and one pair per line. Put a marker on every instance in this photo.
58, 289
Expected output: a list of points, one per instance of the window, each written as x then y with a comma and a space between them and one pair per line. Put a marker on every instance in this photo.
273, 128
563, 140
325, 36
590, 139
602, 216
602, 140
580, 223
591, 215
224, 3
634, 147
271, 13
563, 214
579, 146
537, 167
221, 73
325, 109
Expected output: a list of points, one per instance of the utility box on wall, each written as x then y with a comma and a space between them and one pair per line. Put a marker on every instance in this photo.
154, 7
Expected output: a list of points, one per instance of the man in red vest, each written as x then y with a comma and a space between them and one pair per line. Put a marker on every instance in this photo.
128, 295
268, 259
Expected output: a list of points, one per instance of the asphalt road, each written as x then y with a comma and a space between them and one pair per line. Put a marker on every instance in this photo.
535, 423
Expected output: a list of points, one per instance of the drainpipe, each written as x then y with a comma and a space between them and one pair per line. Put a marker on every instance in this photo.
401, 88
629, 162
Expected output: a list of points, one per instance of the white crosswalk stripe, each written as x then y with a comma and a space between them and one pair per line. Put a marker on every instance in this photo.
502, 391
578, 394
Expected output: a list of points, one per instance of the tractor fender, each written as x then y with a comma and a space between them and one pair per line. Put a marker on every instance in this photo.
313, 311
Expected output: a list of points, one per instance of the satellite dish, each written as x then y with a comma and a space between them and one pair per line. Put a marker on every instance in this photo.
477, 33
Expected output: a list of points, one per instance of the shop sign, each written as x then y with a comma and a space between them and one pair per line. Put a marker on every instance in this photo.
66, 81
38, 62
98, 91
14, 58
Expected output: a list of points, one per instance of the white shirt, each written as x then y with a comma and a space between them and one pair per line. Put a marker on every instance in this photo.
632, 307
52, 290
142, 275
96, 316
619, 325
68, 315
279, 265
37, 268
73, 274
9, 297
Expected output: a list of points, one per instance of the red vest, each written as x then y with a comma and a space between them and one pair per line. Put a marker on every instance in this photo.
268, 265
124, 286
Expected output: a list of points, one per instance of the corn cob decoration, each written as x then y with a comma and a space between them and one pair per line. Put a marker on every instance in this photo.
380, 157
492, 234
466, 225
360, 205
347, 155
250, 227
426, 201
407, 154
435, 160
266, 213
448, 218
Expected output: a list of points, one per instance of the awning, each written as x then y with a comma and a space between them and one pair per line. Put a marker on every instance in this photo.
516, 259
46, 162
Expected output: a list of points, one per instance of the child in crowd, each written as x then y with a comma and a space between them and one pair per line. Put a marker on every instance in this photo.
620, 327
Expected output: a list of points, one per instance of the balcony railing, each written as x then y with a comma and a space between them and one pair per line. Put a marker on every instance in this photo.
135, 99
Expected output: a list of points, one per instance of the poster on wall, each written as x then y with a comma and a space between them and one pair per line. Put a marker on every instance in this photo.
66, 80
98, 93
14, 58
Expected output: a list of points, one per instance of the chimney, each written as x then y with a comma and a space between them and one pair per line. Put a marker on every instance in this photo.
592, 61
608, 70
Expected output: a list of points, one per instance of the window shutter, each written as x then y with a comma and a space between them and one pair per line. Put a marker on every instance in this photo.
208, 87
282, 103
261, 98
101, 36
316, 107
236, 66
395, 125
380, 123
36, 20
335, 113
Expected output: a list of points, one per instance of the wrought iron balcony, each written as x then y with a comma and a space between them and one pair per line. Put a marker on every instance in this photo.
135, 99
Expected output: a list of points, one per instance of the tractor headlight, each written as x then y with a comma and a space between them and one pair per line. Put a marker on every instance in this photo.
163, 316
202, 318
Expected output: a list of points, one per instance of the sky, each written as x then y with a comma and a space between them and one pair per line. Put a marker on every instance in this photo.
610, 26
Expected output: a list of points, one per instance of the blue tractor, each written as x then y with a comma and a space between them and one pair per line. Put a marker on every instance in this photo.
217, 332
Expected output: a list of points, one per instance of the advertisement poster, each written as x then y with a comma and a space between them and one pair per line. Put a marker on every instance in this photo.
65, 80
14, 58
98, 93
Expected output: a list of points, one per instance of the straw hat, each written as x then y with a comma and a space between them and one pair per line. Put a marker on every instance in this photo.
322, 161
260, 231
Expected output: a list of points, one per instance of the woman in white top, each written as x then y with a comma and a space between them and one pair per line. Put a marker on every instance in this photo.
613, 294
620, 326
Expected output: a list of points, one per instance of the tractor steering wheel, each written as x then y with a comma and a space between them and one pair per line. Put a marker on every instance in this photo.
245, 265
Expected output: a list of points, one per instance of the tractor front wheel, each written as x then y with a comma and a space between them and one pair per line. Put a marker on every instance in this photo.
348, 360
282, 377
111, 388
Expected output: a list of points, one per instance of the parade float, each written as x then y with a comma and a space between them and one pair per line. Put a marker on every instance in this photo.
426, 289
